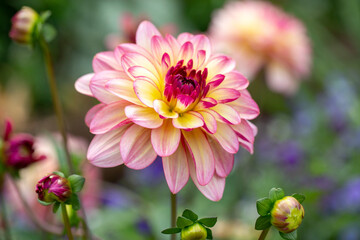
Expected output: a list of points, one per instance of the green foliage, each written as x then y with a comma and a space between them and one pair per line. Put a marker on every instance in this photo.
76, 182
276, 194
208, 222
289, 236
262, 222
190, 215
182, 222
264, 206
299, 197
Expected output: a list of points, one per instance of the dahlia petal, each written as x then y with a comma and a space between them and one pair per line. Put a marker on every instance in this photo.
98, 89
224, 95
146, 91
104, 149
200, 59
202, 42
82, 84
213, 190
144, 34
176, 169
174, 45
226, 114
204, 103
165, 139
105, 61
224, 161
123, 88
245, 106
247, 145
235, 80
129, 60
227, 138
109, 117
138, 71
159, 46
130, 48
136, 149
188, 120
245, 130
210, 124
163, 109
186, 52
92, 112
202, 155
219, 64
216, 81
143, 116
184, 37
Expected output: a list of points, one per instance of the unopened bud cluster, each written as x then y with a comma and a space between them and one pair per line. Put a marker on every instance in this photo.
53, 188
23, 25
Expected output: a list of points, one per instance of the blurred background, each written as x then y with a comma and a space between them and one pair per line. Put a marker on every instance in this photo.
307, 143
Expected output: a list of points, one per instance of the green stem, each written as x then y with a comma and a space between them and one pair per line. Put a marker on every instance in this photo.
66, 221
173, 213
263, 234
5, 223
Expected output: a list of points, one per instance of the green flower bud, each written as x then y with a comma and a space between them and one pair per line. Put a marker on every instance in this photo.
194, 232
23, 25
287, 214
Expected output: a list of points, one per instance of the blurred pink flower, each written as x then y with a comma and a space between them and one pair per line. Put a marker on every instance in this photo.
257, 34
174, 98
128, 24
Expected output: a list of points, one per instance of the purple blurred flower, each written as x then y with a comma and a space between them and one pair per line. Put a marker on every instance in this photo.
143, 227
53, 188
290, 153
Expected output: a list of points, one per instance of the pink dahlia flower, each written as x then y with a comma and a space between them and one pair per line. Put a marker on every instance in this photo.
170, 97
257, 34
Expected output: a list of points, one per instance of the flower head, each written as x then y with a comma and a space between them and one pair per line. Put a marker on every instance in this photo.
258, 34
171, 97
23, 25
53, 188
287, 214
194, 232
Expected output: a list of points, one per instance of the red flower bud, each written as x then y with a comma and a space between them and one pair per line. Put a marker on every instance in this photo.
23, 25
53, 188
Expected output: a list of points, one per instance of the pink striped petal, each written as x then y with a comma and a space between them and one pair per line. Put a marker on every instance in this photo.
216, 81
224, 95
188, 120
136, 149
97, 85
141, 72
124, 89
210, 124
219, 64
129, 60
104, 61
245, 130
202, 42
174, 45
227, 138
144, 34
205, 103
235, 80
213, 190
224, 161
82, 84
92, 112
226, 114
245, 106
163, 109
184, 37
186, 52
159, 46
165, 139
247, 145
146, 91
130, 48
202, 155
200, 59
104, 150
109, 117
176, 169
143, 116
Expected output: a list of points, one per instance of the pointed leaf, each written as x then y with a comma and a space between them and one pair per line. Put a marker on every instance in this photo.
44, 203
264, 206
74, 201
289, 236
59, 174
299, 197
263, 222
190, 215
276, 194
171, 231
208, 222
209, 233
56, 207
182, 222
76, 182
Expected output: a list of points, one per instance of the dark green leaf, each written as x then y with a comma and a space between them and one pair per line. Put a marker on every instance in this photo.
208, 222
190, 215
76, 182
49, 32
74, 201
263, 222
45, 15
59, 174
171, 231
44, 203
289, 236
264, 206
182, 222
299, 197
56, 207
209, 233
276, 194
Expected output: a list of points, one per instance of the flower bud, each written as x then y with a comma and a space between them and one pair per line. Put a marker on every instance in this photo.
287, 214
194, 232
53, 188
23, 25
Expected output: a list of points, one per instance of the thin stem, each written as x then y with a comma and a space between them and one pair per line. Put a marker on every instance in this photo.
5, 223
66, 221
173, 213
263, 234
56, 101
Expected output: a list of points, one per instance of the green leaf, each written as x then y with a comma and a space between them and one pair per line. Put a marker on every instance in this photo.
208, 222
171, 231
74, 201
264, 206
262, 222
182, 222
44, 203
76, 182
299, 197
45, 15
276, 194
209, 233
56, 207
190, 215
289, 236
59, 174
49, 32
